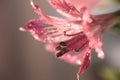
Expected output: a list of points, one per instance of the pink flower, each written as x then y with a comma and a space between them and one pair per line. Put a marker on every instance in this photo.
73, 38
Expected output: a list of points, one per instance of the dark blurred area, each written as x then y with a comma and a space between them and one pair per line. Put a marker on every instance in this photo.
24, 58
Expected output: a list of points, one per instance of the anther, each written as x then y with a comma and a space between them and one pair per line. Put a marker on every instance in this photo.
58, 48
62, 43
76, 50
62, 52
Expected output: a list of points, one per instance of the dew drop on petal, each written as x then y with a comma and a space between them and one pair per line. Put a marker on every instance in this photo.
36, 37
22, 29
101, 54
78, 62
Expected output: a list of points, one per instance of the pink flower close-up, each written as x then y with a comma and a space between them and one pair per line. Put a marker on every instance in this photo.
72, 38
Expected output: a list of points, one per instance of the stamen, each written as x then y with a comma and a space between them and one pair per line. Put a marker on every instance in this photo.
62, 52
63, 44
58, 48
65, 34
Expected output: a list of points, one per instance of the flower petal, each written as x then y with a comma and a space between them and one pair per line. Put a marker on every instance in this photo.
74, 8
65, 8
89, 4
86, 63
45, 32
75, 58
36, 27
51, 47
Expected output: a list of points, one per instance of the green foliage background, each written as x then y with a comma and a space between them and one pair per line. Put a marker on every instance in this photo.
116, 27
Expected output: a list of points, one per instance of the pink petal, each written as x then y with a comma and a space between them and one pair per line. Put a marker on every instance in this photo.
75, 58
89, 4
36, 27
75, 8
51, 47
86, 63
66, 9
45, 32
95, 30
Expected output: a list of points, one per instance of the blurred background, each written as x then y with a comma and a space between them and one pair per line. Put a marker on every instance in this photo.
24, 58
